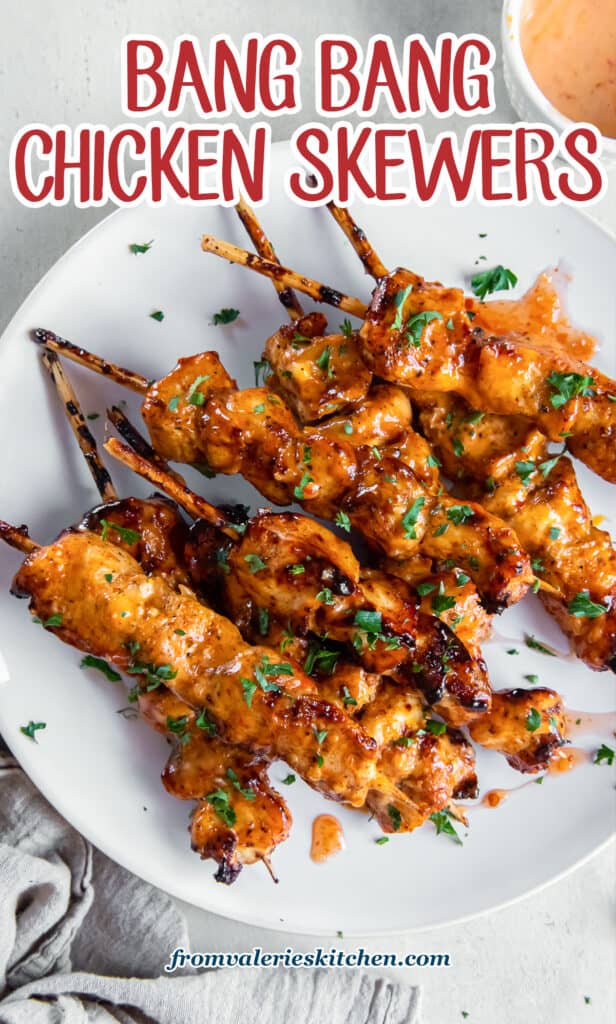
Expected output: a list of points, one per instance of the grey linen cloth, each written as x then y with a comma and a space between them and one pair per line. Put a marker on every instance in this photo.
82, 940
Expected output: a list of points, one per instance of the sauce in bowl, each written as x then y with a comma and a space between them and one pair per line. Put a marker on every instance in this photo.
570, 50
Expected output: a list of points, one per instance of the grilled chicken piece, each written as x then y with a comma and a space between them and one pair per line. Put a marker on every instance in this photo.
206, 664
317, 374
527, 726
418, 333
202, 766
430, 768
309, 580
452, 591
506, 464
253, 432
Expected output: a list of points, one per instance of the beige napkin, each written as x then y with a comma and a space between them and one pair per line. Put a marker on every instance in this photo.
82, 940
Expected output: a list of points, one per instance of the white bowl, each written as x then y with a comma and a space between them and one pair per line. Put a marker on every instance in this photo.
528, 101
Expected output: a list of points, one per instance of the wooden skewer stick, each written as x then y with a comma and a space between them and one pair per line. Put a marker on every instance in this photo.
17, 537
126, 378
357, 237
175, 488
265, 248
79, 427
138, 443
317, 291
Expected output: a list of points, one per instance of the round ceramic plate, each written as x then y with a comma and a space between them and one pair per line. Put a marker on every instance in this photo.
100, 770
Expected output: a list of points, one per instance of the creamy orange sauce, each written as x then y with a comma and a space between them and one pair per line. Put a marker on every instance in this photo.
568, 758
570, 50
495, 797
327, 837
597, 722
539, 314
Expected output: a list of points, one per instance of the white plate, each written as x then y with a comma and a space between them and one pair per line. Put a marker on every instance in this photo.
100, 770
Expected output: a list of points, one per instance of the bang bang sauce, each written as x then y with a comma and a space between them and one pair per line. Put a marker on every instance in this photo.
570, 50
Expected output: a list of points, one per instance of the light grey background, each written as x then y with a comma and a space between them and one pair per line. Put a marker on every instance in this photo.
59, 63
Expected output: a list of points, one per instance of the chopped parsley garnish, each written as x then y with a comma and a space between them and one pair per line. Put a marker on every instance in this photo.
255, 563
440, 602
532, 720
545, 468
297, 570
206, 723
261, 367
173, 403
319, 734
31, 728
157, 315
604, 755
51, 623
342, 520
583, 608
144, 247
442, 821
288, 779
415, 326
525, 470
536, 645
94, 415
178, 727
532, 678
263, 615
369, 621
399, 301
409, 520
259, 409
394, 816
513, 650
248, 794
435, 727
425, 588
155, 675
457, 446
108, 577
323, 362
403, 741
180, 632
299, 490
554, 532
347, 699
325, 596
433, 462
499, 279
459, 514
225, 316
346, 328
568, 385
462, 579
450, 324
348, 427
129, 537
322, 658
474, 417
441, 529
248, 687
221, 561
382, 840
220, 802
91, 662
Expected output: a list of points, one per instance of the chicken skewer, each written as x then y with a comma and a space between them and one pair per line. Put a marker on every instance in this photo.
256, 818
504, 463
419, 334
423, 789
505, 730
196, 414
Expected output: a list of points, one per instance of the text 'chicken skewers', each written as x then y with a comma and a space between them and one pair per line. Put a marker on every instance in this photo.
420, 334
197, 415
